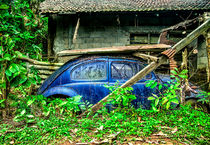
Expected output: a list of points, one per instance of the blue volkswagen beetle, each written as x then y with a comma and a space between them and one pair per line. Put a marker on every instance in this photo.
86, 77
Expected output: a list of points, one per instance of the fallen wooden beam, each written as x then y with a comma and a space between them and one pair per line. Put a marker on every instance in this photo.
153, 65
192, 36
114, 49
149, 68
145, 56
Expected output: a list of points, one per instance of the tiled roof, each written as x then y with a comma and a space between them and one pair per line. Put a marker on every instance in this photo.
68, 6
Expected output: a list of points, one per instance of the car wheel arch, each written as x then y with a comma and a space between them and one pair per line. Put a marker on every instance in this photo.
60, 91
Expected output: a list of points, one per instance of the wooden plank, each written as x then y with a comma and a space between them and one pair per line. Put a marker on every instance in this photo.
145, 56
114, 49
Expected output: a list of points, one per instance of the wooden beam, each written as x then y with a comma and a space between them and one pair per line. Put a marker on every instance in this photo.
145, 56
192, 36
76, 31
114, 49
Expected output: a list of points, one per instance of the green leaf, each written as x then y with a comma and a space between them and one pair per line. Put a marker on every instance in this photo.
153, 85
30, 116
23, 112
4, 7
14, 68
8, 73
7, 57
1, 101
174, 72
151, 98
175, 100
30, 120
160, 86
29, 102
168, 105
182, 76
185, 71
164, 100
156, 101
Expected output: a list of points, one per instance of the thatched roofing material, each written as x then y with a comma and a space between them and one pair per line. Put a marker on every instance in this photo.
69, 6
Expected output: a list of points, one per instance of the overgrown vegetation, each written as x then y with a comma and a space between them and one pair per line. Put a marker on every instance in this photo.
22, 33
31, 119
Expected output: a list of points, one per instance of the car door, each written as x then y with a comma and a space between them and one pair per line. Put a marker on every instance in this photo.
122, 70
88, 79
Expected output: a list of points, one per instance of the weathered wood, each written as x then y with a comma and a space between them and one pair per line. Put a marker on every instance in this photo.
39, 62
114, 49
184, 66
41, 67
46, 72
76, 31
130, 82
208, 57
192, 36
145, 56
183, 24
50, 37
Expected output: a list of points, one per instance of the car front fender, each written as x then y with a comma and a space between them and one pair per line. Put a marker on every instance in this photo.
60, 90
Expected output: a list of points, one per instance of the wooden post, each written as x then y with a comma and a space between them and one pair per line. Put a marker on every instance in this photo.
76, 31
207, 37
186, 83
208, 58
50, 37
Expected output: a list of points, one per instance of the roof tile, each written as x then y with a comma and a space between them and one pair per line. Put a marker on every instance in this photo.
67, 6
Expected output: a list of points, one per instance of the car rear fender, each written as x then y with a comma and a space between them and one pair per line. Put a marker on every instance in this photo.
60, 90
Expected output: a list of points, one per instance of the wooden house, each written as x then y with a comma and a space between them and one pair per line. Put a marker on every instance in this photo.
87, 24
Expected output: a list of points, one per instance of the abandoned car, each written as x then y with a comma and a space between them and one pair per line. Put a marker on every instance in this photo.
86, 77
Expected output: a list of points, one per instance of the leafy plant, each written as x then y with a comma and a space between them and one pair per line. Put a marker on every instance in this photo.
205, 97
167, 93
120, 97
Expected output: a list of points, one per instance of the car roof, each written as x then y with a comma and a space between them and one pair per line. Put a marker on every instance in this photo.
64, 67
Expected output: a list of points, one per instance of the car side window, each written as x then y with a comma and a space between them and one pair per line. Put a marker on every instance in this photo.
89, 71
140, 67
123, 70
